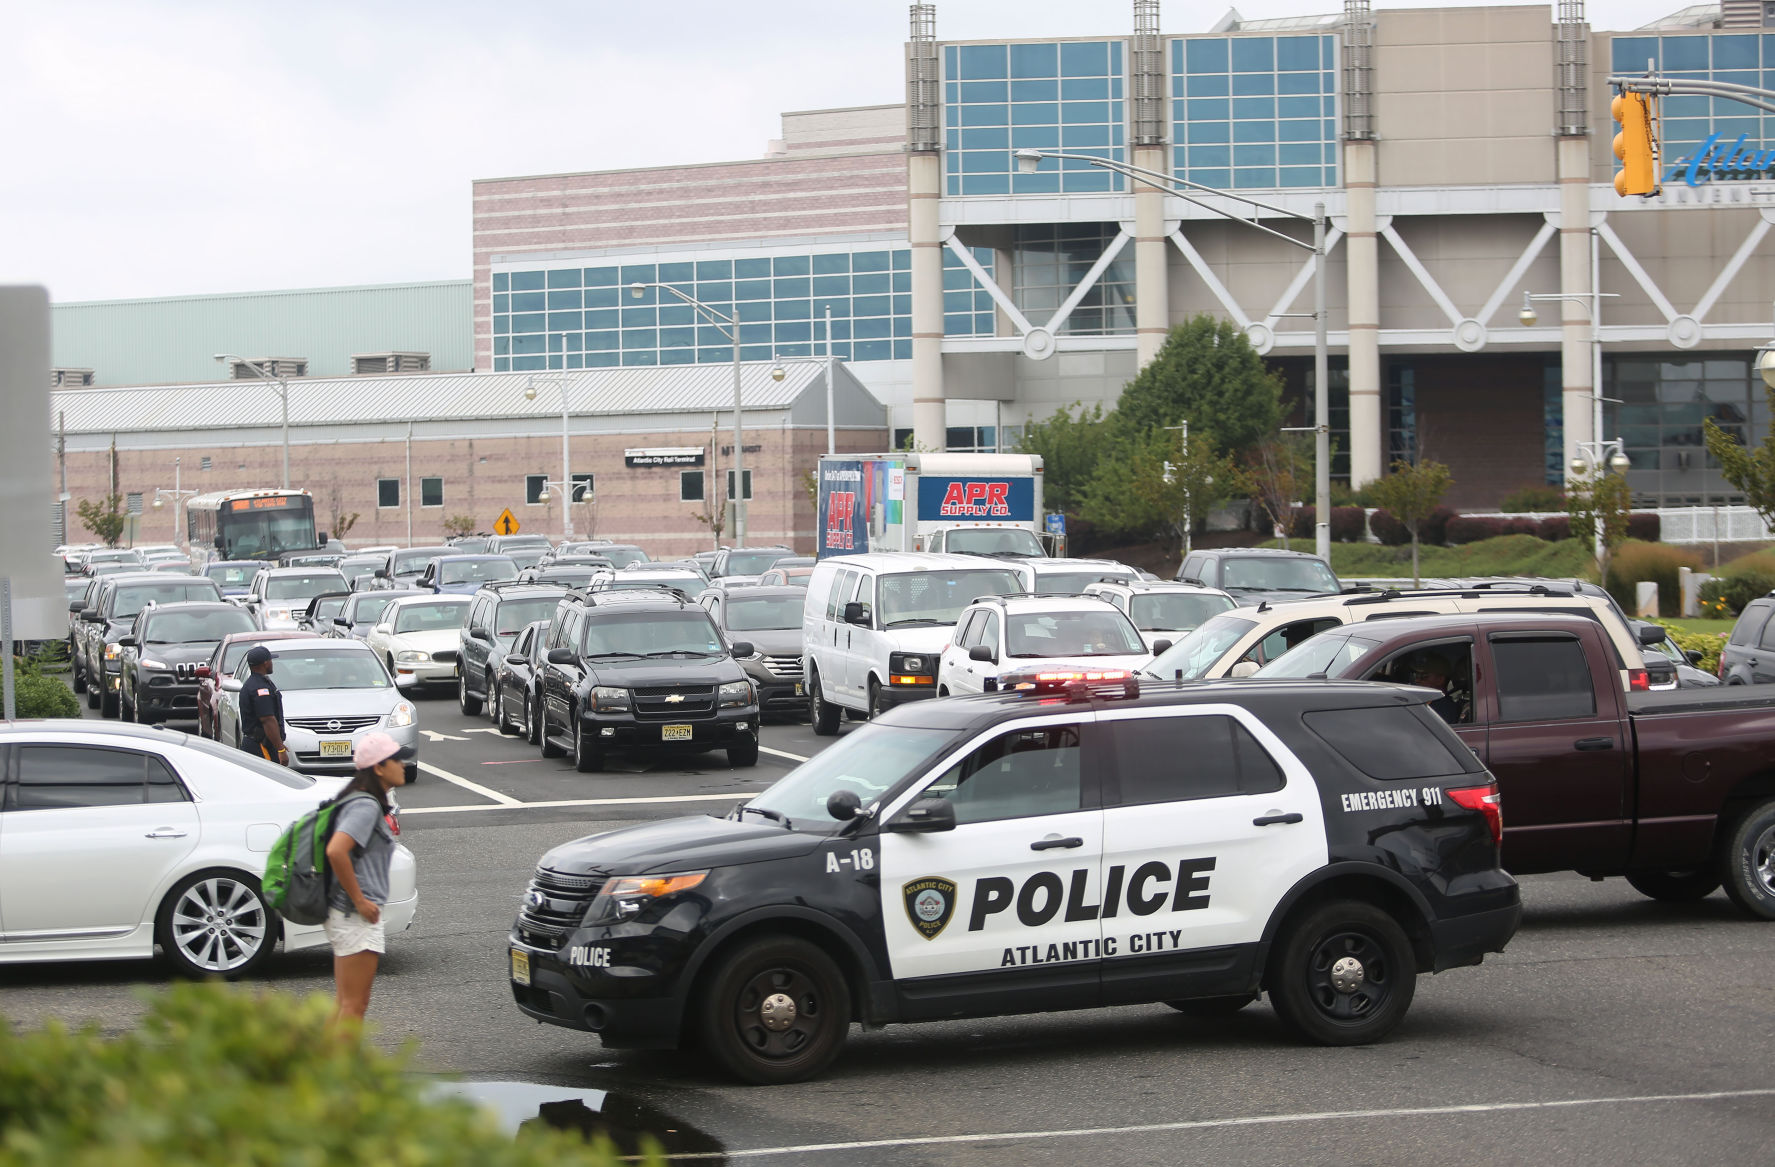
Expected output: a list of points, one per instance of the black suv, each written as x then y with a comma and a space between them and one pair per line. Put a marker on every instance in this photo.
498, 613
158, 659
1251, 574
1052, 846
643, 670
120, 598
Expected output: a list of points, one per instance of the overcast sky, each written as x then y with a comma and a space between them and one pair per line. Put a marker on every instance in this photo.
164, 147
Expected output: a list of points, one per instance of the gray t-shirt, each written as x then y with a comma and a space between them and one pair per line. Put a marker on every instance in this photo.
361, 818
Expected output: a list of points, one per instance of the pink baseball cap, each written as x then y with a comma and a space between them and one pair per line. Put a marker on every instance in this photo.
375, 748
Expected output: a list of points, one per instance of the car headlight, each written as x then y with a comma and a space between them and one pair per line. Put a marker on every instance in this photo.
412, 657
402, 715
605, 699
111, 651
735, 693
625, 896
153, 666
911, 662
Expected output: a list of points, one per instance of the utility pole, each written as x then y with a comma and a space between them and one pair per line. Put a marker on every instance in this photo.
1189, 518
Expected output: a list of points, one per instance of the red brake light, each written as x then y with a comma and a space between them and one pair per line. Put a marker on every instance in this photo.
1488, 802
1639, 680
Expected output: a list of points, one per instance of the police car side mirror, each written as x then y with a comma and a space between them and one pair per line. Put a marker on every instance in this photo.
231, 685
1160, 646
516, 658
983, 652
927, 814
844, 805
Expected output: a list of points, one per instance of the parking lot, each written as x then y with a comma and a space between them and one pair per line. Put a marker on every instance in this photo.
1615, 1029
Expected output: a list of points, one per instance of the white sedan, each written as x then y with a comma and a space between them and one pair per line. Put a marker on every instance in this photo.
417, 637
999, 635
117, 839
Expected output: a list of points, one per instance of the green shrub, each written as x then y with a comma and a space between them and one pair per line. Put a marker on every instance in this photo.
1708, 644
1542, 499
1633, 563
36, 695
219, 1076
1733, 592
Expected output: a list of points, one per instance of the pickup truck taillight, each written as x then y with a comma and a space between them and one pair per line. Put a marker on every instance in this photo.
1486, 800
1639, 680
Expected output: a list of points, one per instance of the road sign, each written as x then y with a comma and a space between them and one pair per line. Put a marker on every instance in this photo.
507, 523
1056, 524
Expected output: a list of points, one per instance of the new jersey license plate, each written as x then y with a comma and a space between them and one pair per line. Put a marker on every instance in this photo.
798, 689
520, 967
335, 749
674, 733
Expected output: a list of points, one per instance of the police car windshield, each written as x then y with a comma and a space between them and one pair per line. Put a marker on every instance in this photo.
869, 761
1047, 634
767, 613
195, 627
1198, 652
938, 597
1175, 611
1266, 574
652, 634
303, 587
1325, 655
994, 541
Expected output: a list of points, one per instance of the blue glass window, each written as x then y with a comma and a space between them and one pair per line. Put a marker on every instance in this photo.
528, 322
604, 318
1253, 69
501, 281
1254, 54
1045, 86
1037, 91
714, 269
1683, 52
644, 273
1086, 89
528, 344
502, 324
1035, 61
529, 301
870, 283
751, 269
564, 277
600, 277
1245, 84
677, 273
564, 322
1297, 52
560, 300
527, 281
981, 61
502, 302
832, 285
863, 261
833, 264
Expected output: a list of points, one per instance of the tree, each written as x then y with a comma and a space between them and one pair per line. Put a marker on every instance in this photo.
1208, 373
1751, 471
1600, 501
104, 519
457, 525
1071, 443
1411, 494
1278, 472
1156, 487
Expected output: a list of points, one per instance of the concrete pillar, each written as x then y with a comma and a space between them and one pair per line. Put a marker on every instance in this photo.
1368, 446
1152, 257
924, 189
1576, 382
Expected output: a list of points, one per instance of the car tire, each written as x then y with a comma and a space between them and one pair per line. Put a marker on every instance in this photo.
1747, 861
216, 923
533, 721
821, 712
94, 696
79, 679
494, 711
1328, 1001
588, 755
1208, 1008
808, 1004
126, 710
1675, 887
549, 749
496, 703
876, 708
744, 755
470, 706
109, 703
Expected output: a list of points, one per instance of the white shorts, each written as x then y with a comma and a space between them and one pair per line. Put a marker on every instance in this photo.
350, 933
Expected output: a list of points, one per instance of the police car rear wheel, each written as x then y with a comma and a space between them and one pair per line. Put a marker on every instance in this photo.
1344, 974
778, 1011
1213, 1006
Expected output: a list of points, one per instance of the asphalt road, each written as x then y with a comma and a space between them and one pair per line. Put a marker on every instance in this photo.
1615, 1030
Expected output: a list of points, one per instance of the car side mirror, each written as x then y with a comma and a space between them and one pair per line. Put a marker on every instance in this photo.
742, 648
252, 597
1160, 646
561, 656
983, 652
1694, 655
90, 615
381, 573
927, 814
126, 641
341, 622
844, 805
231, 685
204, 671
1243, 669
856, 613
516, 658
1650, 634
479, 633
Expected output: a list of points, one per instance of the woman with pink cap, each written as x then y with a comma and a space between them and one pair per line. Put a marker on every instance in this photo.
359, 853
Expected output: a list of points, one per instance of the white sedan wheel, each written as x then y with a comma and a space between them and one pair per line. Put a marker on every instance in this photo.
216, 924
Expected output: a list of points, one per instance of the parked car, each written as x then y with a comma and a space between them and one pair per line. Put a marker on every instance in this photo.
280, 594
1668, 666
360, 611
996, 635
334, 691
116, 603
216, 675
562, 577
1163, 610
157, 667
650, 578
747, 563
1254, 574
463, 575
770, 620
405, 565
234, 576
129, 837
1748, 657
516, 702
416, 638
780, 576
622, 554
1067, 577
499, 612
318, 616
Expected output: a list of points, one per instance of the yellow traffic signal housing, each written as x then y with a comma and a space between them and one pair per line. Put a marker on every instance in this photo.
1636, 145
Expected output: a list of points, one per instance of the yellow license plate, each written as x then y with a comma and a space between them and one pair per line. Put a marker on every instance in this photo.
520, 967
798, 691
674, 733
335, 749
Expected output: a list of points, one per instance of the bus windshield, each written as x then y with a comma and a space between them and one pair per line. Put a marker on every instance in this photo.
265, 527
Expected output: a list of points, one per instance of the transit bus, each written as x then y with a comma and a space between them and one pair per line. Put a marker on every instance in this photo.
250, 524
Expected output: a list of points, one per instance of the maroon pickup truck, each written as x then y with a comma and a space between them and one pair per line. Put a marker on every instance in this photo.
1674, 790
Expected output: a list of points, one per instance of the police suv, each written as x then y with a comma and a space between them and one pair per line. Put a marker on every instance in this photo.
1075, 840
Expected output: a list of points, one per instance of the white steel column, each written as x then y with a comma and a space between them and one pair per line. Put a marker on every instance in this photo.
1152, 278
924, 177
1575, 243
1362, 285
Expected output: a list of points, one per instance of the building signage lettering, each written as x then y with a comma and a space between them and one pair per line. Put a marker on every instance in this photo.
642, 458
1712, 161
998, 500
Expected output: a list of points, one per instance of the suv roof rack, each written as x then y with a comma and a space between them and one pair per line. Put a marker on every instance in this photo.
1470, 593
999, 599
649, 591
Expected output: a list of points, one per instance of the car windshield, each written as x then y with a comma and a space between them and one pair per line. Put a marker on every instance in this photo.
623, 556
295, 671
754, 562
1324, 655
369, 607
1068, 583
76, 588
568, 577
689, 632
233, 653
232, 575
1277, 574
303, 587
937, 597
763, 613
328, 607
360, 564
1198, 652
525, 556
1038, 634
869, 761
430, 617
1175, 611
491, 569
195, 627
133, 598
512, 615
994, 541
413, 560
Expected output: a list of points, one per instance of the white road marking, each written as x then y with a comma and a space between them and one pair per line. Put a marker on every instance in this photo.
782, 754
514, 804
476, 787
434, 735
486, 729
1214, 1123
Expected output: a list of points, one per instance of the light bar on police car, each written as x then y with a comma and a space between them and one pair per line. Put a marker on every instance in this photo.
1051, 680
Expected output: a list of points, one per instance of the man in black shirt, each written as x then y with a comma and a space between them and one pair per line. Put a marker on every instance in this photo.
262, 710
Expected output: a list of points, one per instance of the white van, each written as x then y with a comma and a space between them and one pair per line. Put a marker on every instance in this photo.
875, 625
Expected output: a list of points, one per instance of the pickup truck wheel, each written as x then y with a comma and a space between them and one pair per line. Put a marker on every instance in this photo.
1747, 861
777, 1010
465, 701
1676, 887
1344, 974
820, 711
1212, 1007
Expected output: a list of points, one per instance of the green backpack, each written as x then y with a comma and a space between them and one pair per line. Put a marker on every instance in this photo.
297, 877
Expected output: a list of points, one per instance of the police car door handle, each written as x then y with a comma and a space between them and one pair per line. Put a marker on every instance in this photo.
1053, 841
1270, 820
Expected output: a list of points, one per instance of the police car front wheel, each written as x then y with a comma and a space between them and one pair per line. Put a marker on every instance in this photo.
1343, 974
777, 1010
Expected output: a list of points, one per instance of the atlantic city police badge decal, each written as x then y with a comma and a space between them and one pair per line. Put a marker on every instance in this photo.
930, 902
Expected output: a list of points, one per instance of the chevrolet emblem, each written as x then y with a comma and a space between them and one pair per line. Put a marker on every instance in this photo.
674, 698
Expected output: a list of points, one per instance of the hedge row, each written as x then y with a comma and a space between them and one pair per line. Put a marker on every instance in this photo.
1446, 527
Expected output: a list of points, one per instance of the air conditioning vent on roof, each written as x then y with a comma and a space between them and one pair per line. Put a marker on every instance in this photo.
393, 362
270, 366
70, 378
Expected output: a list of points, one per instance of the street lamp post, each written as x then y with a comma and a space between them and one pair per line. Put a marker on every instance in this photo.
1028, 161
1598, 455
566, 449
283, 396
179, 495
731, 326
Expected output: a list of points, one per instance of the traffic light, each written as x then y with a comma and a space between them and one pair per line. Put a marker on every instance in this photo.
1635, 145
